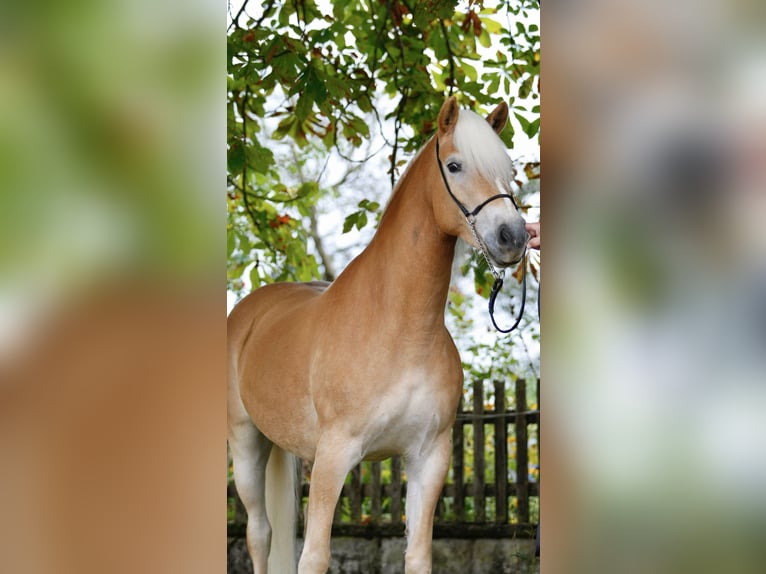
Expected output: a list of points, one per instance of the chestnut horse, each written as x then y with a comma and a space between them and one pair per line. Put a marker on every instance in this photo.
364, 368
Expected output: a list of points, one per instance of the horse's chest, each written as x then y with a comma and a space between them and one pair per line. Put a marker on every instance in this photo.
389, 393
392, 403
413, 410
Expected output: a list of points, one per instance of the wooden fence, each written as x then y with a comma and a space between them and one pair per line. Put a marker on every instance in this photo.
491, 489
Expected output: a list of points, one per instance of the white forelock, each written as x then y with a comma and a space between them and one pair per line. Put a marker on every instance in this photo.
482, 149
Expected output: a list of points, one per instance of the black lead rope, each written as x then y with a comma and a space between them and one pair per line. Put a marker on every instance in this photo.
498, 275
498, 285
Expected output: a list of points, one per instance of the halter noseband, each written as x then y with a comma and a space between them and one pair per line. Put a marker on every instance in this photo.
470, 217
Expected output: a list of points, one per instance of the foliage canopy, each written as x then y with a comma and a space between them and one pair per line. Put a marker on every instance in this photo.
325, 76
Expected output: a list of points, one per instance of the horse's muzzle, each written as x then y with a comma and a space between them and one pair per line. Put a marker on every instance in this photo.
509, 242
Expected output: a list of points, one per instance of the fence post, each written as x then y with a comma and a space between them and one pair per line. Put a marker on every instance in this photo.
337, 517
355, 495
457, 464
396, 490
522, 460
501, 455
479, 502
375, 504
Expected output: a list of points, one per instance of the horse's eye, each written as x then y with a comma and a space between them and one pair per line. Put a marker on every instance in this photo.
453, 167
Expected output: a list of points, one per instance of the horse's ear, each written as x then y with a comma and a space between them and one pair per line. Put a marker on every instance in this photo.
448, 116
499, 117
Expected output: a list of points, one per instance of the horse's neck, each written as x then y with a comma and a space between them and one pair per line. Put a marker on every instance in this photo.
407, 266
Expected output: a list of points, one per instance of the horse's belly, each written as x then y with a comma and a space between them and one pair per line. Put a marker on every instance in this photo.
277, 398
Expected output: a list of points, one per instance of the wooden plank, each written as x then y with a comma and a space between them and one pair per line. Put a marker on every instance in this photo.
479, 501
501, 457
464, 531
396, 489
457, 467
355, 494
373, 531
489, 489
522, 459
375, 495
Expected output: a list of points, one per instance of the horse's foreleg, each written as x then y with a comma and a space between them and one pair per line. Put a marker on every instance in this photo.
425, 478
334, 459
250, 452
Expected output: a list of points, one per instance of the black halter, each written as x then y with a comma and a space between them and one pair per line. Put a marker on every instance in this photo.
469, 214
498, 275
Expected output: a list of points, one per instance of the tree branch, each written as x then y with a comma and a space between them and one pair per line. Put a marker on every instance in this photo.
397, 127
450, 57
266, 11
329, 270
243, 176
235, 20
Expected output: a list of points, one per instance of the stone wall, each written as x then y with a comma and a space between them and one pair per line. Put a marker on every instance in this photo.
386, 556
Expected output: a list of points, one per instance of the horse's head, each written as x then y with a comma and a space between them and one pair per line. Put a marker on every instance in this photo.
477, 174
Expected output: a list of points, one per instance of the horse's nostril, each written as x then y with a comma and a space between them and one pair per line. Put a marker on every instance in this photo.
505, 236
511, 237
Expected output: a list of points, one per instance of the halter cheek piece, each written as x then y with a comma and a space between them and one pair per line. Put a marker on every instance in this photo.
470, 217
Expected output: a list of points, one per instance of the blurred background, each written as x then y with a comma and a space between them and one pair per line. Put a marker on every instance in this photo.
112, 417
653, 363
112, 158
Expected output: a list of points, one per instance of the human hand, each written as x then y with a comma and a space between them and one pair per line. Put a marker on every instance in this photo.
534, 235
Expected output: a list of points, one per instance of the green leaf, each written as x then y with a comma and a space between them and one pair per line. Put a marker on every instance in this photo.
350, 221
533, 128
365, 104
484, 38
507, 135
231, 242
304, 106
360, 126
339, 10
255, 277
336, 88
315, 87
470, 71
526, 87
490, 25
260, 158
329, 138
523, 121
285, 127
307, 189
235, 159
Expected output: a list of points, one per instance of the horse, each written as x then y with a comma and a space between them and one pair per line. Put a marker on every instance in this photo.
364, 368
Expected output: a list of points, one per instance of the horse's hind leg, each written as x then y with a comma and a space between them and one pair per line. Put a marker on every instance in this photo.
250, 452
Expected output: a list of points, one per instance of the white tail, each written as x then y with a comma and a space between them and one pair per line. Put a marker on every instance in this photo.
282, 509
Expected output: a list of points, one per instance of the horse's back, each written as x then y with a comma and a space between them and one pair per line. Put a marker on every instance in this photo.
276, 298
270, 310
